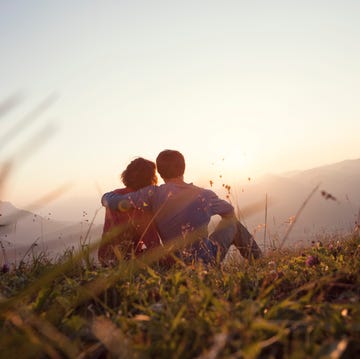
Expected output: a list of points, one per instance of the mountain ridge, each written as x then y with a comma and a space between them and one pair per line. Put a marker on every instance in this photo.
332, 209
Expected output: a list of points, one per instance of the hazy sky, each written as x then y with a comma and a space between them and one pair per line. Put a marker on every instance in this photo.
242, 88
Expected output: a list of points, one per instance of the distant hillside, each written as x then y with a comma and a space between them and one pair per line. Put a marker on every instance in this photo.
334, 208
19, 229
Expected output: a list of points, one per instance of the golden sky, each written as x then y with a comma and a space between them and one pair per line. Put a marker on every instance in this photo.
242, 88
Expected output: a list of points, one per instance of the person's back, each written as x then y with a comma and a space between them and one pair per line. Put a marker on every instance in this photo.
180, 208
131, 232
184, 210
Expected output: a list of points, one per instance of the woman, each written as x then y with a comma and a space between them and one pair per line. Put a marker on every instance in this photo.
129, 233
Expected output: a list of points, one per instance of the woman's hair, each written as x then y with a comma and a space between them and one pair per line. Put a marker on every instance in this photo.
170, 164
139, 173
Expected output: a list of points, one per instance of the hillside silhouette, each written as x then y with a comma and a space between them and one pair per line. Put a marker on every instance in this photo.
24, 233
333, 209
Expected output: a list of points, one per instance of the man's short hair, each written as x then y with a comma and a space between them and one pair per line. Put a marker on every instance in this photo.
170, 164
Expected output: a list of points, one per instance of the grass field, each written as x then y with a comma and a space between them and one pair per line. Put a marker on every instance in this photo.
302, 304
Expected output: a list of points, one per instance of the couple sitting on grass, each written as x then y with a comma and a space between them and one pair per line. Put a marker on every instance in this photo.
143, 216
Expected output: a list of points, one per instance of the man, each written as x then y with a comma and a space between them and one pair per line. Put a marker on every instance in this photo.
183, 211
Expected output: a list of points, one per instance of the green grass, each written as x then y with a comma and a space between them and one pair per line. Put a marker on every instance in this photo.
286, 305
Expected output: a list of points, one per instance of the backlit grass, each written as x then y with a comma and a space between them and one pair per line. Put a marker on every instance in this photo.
287, 305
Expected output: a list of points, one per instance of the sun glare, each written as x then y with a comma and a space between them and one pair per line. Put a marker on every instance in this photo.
228, 164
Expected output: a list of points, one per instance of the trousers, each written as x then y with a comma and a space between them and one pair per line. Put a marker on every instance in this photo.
229, 231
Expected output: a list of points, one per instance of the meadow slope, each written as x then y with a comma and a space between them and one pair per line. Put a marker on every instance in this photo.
302, 304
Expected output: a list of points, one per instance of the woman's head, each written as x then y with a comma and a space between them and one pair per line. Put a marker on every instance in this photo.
139, 173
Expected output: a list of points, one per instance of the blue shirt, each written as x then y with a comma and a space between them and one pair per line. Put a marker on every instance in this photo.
177, 208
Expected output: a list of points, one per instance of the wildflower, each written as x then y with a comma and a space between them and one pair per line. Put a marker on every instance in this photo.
290, 220
328, 195
312, 261
5, 268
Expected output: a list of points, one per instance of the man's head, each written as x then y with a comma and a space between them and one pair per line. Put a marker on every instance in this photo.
170, 164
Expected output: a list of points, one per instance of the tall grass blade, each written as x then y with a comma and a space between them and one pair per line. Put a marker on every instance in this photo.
297, 215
